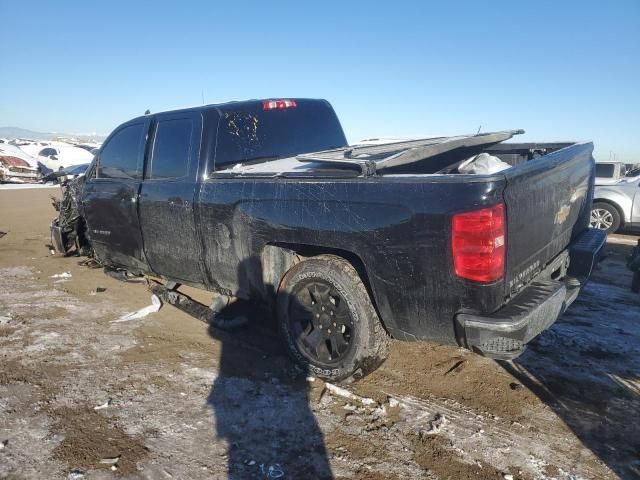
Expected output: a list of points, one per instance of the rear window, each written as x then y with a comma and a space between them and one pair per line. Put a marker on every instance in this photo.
249, 132
604, 169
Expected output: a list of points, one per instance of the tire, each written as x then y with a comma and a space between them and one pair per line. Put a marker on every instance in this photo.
324, 293
605, 216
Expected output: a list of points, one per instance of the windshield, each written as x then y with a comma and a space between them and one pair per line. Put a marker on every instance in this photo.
249, 132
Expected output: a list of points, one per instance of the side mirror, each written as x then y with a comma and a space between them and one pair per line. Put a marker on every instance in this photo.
53, 157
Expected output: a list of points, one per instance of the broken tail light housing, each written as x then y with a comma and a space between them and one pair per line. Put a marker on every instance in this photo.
478, 244
278, 104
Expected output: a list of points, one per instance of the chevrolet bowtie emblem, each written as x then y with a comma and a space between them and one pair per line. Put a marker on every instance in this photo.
562, 214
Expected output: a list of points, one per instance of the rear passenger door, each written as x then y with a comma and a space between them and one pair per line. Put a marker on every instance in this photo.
169, 232
110, 198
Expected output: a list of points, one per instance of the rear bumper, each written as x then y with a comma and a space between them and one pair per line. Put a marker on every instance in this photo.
504, 334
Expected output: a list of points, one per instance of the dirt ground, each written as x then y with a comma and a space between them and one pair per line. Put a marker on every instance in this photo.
85, 393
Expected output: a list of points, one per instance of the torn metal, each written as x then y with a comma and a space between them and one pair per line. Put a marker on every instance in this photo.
68, 229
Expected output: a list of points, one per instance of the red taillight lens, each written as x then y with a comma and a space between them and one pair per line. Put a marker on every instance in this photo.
478, 244
278, 104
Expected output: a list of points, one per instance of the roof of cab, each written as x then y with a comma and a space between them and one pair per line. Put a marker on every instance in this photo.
226, 105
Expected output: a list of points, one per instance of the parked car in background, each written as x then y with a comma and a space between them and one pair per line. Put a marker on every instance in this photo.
616, 206
54, 158
608, 173
16, 166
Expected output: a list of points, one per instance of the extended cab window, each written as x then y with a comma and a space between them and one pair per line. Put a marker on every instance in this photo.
119, 157
171, 149
252, 132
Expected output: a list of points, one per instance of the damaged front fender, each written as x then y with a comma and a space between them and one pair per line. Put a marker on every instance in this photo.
68, 229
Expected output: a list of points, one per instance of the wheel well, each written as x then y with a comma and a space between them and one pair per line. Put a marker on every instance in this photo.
303, 251
613, 204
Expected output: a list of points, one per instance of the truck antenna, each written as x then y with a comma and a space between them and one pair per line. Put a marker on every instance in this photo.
479, 128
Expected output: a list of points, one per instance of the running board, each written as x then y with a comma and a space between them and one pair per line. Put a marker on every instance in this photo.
182, 302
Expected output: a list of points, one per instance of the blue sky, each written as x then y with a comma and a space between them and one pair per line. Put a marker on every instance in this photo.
558, 69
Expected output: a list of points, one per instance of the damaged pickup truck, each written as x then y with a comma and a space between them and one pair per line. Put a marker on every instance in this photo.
264, 200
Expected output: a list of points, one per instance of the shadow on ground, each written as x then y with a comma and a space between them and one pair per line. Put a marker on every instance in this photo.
260, 404
587, 367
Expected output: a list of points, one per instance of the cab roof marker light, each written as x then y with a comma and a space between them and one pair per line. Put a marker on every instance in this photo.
278, 104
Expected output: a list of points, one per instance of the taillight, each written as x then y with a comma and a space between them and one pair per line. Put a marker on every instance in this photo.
478, 244
278, 104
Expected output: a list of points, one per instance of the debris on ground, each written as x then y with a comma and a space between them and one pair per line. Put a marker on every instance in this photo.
435, 426
4, 320
272, 471
143, 312
110, 460
97, 290
89, 263
344, 393
62, 275
104, 405
3, 444
2, 234
456, 368
75, 474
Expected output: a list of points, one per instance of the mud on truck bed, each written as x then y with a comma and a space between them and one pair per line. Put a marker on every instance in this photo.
350, 245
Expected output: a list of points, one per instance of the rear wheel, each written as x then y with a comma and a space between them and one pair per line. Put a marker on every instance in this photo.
328, 322
605, 217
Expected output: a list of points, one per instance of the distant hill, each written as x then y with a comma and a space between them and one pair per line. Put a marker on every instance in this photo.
17, 132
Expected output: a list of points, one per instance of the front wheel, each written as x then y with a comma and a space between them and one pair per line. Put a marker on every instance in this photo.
605, 217
328, 322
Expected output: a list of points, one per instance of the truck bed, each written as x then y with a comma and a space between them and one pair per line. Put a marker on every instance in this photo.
396, 217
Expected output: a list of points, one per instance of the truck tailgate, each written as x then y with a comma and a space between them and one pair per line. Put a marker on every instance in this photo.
547, 204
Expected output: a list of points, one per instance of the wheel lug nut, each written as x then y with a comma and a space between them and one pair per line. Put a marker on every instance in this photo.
323, 308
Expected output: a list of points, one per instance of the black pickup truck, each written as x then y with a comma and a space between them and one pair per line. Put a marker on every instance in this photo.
351, 245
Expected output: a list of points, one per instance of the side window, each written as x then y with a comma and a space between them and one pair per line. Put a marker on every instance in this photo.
119, 157
171, 149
